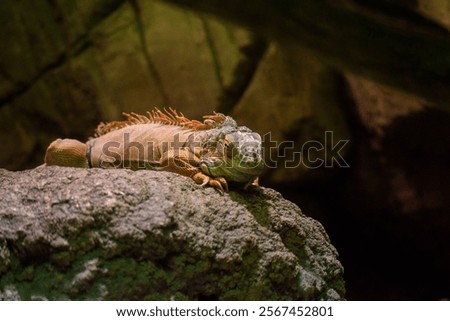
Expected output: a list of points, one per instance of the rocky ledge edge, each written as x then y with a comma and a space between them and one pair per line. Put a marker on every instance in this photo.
77, 234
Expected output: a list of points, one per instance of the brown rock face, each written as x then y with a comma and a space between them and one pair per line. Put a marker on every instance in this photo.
70, 66
76, 234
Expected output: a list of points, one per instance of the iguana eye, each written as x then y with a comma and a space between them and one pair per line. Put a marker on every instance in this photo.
228, 140
228, 145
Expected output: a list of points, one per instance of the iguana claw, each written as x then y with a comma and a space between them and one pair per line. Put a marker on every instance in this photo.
219, 182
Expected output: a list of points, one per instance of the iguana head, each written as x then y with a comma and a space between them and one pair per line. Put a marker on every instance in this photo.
234, 154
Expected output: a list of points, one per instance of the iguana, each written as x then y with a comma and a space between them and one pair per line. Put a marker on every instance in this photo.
213, 152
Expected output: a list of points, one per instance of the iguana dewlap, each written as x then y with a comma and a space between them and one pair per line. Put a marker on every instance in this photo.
213, 152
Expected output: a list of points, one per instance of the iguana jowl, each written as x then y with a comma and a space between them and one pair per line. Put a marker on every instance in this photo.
213, 152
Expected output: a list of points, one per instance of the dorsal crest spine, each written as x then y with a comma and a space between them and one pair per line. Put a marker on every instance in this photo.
166, 117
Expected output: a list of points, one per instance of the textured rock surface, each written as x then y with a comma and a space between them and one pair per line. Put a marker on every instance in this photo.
393, 42
116, 234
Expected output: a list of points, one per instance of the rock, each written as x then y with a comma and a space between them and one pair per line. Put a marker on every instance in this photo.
403, 44
93, 234
437, 10
91, 62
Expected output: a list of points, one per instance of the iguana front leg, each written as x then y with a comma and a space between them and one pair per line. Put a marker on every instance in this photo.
181, 162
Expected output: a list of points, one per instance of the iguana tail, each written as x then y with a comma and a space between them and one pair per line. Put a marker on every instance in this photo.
66, 152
